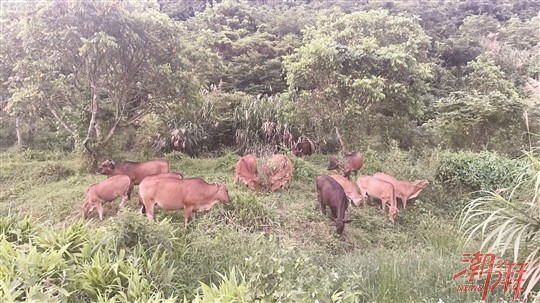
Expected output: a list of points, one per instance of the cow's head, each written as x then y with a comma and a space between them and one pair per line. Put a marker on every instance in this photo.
106, 168
340, 225
418, 185
279, 181
223, 194
357, 201
86, 208
421, 183
392, 213
255, 184
334, 164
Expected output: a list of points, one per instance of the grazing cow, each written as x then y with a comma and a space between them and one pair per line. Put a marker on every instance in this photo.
246, 171
136, 171
404, 190
304, 147
192, 194
106, 191
352, 162
350, 189
330, 193
279, 170
379, 189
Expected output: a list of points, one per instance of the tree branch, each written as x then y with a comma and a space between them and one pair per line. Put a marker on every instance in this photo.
60, 119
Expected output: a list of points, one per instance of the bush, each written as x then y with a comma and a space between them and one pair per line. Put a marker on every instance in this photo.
249, 214
477, 171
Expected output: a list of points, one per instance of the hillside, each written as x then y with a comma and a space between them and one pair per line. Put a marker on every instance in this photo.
279, 243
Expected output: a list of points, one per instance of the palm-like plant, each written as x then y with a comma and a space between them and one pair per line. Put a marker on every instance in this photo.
511, 221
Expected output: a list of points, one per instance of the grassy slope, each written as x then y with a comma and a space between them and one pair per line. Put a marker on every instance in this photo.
409, 261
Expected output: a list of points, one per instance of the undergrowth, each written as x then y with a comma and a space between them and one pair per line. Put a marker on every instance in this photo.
265, 247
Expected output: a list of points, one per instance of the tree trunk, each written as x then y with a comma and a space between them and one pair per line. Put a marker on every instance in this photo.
18, 131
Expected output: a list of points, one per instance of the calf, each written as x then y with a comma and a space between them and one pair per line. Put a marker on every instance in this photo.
404, 190
246, 171
379, 189
172, 194
352, 162
106, 191
350, 189
330, 193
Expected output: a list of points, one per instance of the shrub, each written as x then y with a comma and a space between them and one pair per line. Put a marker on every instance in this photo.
247, 213
477, 171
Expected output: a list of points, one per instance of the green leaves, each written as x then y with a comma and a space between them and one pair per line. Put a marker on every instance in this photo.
510, 220
360, 62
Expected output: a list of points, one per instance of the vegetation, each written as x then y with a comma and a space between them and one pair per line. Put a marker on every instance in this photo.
440, 90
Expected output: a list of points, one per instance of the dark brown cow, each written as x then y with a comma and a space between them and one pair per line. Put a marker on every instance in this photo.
404, 190
246, 171
304, 147
352, 162
330, 193
279, 170
136, 171
106, 191
192, 194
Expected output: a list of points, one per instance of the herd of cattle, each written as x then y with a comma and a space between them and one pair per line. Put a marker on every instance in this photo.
171, 191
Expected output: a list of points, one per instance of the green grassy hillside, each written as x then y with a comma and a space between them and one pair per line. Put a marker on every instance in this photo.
271, 247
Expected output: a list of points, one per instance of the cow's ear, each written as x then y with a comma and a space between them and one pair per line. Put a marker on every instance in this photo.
113, 164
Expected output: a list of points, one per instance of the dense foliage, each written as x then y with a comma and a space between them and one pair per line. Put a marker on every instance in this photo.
446, 91
181, 75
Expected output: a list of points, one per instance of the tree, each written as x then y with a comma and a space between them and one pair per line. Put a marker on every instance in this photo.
488, 111
245, 50
364, 62
99, 66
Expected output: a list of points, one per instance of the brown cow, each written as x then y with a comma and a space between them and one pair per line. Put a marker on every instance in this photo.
330, 193
279, 170
106, 191
192, 194
379, 189
246, 171
172, 175
350, 189
404, 190
352, 162
136, 171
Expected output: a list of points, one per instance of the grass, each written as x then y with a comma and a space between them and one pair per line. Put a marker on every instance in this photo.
281, 245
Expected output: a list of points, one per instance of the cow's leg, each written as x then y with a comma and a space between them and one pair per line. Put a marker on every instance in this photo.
187, 214
383, 203
149, 209
334, 212
322, 206
99, 208
125, 199
404, 202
